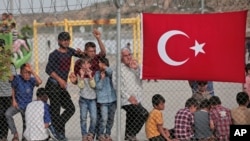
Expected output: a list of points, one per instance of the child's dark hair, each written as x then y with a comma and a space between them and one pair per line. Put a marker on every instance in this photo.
242, 98
104, 61
157, 99
41, 92
191, 102
215, 100
247, 67
84, 59
89, 45
205, 104
23, 66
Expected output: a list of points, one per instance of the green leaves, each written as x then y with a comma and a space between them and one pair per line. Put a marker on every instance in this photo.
5, 62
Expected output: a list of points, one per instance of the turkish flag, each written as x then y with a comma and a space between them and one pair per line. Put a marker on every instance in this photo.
194, 46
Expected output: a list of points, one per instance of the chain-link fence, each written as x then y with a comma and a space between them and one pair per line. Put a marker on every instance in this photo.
47, 19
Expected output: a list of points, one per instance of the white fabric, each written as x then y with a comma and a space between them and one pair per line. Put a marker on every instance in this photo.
35, 129
131, 84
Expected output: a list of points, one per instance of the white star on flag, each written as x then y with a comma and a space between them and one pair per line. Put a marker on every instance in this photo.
198, 48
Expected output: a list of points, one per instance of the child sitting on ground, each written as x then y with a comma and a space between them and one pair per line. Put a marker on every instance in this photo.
154, 124
241, 114
184, 121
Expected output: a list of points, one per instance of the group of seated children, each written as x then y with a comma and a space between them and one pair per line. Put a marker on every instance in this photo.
201, 119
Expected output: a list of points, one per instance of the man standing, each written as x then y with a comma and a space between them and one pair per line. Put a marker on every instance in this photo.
58, 68
131, 90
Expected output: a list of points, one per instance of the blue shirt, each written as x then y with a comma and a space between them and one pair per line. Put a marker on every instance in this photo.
105, 92
23, 90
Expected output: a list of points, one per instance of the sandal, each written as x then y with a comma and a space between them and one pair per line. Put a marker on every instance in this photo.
15, 139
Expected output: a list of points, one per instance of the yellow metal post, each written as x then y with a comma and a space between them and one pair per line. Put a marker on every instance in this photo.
138, 39
35, 49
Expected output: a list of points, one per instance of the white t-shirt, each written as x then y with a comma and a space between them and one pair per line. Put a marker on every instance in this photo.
34, 116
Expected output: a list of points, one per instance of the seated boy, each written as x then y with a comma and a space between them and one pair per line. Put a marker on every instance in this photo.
22, 93
154, 124
184, 121
221, 118
241, 114
202, 92
202, 125
37, 125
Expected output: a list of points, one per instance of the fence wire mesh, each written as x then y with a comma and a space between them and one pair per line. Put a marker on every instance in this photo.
80, 18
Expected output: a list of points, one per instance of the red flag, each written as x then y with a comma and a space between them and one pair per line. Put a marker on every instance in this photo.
194, 46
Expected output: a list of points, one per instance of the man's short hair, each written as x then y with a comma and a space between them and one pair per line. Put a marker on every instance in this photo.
157, 99
242, 98
41, 92
89, 45
215, 100
191, 102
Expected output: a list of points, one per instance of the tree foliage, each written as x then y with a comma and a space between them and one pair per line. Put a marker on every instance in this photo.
5, 62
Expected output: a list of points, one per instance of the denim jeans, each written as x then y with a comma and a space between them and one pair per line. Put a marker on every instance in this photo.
107, 118
11, 111
85, 106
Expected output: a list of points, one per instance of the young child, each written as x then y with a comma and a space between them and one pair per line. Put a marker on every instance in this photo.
184, 121
87, 100
202, 92
22, 93
241, 114
38, 125
221, 118
154, 124
203, 131
106, 98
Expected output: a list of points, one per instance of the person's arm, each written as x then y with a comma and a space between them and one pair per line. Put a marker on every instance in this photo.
51, 67
124, 85
99, 80
73, 78
80, 82
46, 118
97, 35
37, 78
13, 96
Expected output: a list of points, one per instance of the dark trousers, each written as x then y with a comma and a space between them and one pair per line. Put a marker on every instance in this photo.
136, 115
98, 118
5, 103
59, 98
158, 138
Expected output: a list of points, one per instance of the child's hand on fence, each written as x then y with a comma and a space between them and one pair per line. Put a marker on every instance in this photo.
72, 77
102, 74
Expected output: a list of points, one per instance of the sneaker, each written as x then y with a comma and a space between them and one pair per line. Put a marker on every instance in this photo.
61, 137
101, 138
131, 138
90, 137
108, 137
52, 133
